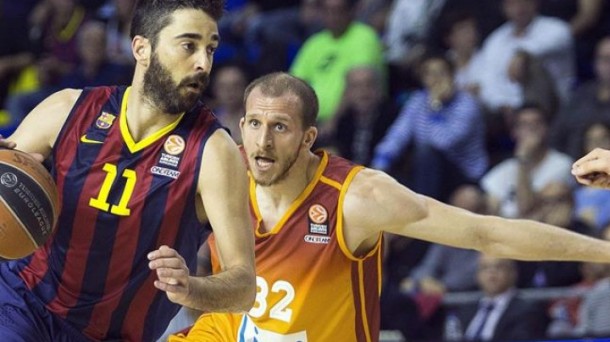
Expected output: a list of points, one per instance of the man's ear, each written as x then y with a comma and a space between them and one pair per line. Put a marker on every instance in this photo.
310, 136
141, 49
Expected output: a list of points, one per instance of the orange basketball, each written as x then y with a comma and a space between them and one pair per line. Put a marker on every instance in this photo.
29, 204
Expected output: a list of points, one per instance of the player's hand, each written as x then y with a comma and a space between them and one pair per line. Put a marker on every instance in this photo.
12, 145
6, 143
593, 169
172, 273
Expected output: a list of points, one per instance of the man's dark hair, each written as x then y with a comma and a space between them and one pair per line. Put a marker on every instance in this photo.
435, 55
280, 83
533, 106
151, 16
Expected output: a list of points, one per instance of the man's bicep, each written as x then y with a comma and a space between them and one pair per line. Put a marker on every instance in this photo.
375, 202
388, 206
39, 129
224, 192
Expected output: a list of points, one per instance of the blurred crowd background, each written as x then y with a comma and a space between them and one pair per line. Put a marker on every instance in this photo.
481, 104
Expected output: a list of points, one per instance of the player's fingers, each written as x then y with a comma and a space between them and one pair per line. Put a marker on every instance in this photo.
7, 144
588, 157
163, 252
583, 180
589, 167
173, 288
171, 273
167, 263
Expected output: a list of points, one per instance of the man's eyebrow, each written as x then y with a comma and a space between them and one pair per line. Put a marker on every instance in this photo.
196, 36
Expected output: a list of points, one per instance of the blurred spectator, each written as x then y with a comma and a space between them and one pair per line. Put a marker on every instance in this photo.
406, 37
265, 34
564, 311
55, 27
94, 69
488, 16
555, 206
374, 13
593, 204
273, 36
326, 57
445, 268
500, 315
461, 37
117, 15
15, 50
514, 185
535, 81
364, 115
589, 21
593, 318
548, 39
407, 29
590, 103
228, 85
444, 129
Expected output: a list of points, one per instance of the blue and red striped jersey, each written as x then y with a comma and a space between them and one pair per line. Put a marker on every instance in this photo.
121, 199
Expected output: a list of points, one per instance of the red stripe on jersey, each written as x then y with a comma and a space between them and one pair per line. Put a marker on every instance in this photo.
83, 231
146, 294
39, 265
121, 254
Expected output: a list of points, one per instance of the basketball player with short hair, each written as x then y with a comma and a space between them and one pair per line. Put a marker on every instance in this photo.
320, 221
140, 170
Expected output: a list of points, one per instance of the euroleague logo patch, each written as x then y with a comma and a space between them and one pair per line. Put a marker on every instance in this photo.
174, 145
318, 219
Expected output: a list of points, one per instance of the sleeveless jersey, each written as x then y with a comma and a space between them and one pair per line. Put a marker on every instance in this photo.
121, 200
309, 286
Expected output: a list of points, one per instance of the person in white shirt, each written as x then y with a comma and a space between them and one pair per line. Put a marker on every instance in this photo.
548, 39
515, 184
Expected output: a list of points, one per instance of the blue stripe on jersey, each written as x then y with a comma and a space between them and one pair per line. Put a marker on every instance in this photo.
105, 232
187, 235
71, 194
149, 234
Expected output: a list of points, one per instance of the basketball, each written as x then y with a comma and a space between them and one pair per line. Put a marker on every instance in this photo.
29, 204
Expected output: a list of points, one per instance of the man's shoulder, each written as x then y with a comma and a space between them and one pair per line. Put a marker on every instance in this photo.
542, 22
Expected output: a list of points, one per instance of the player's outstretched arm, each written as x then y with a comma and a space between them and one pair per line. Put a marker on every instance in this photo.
593, 169
38, 131
223, 188
376, 202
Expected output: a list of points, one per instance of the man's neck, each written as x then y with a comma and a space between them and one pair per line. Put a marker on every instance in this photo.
285, 192
143, 117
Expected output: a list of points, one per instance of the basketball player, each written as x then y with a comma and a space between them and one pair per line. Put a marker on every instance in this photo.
140, 170
319, 229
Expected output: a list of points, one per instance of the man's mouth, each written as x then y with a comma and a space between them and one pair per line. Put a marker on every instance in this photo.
263, 162
194, 85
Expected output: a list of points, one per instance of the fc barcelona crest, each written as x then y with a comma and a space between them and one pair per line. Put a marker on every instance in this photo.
105, 120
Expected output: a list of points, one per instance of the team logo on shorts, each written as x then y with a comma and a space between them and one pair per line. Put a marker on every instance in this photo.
318, 219
105, 120
174, 145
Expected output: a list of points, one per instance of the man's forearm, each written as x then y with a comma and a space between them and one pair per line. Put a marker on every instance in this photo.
232, 290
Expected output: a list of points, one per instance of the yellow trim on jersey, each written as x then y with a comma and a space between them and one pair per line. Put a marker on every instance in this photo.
380, 268
293, 207
340, 235
129, 141
365, 319
331, 182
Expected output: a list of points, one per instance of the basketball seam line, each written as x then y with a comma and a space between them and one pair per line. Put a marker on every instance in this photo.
8, 207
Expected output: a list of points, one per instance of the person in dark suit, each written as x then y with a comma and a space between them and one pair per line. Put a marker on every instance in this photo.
500, 314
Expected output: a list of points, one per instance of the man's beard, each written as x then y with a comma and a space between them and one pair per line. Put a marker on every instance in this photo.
165, 93
283, 174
